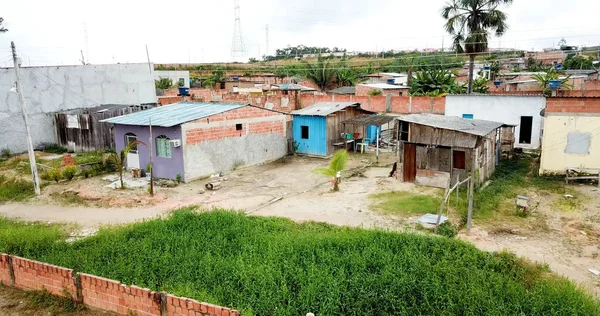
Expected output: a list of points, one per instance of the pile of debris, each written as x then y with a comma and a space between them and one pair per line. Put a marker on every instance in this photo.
214, 183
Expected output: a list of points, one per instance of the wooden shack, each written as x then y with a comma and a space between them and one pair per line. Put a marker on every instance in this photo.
435, 149
81, 129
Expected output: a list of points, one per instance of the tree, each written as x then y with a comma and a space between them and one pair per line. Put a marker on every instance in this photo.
469, 22
119, 159
480, 85
2, 28
435, 83
578, 62
217, 77
345, 76
163, 83
551, 74
336, 166
321, 73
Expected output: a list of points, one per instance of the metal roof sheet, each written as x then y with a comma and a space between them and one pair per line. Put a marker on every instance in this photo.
343, 90
367, 120
293, 86
174, 114
384, 86
324, 108
454, 123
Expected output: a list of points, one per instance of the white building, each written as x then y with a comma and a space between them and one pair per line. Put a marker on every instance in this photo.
177, 76
522, 111
53, 89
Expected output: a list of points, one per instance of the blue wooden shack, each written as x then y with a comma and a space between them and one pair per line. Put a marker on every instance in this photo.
316, 128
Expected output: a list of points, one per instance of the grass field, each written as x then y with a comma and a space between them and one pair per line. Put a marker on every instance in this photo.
273, 266
405, 203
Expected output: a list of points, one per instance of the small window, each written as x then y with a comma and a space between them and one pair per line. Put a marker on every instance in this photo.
578, 143
130, 138
458, 160
468, 116
181, 82
163, 147
238, 127
304, 131
404, 131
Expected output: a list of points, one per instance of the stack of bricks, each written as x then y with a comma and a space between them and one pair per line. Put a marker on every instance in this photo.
101, 293
67, 161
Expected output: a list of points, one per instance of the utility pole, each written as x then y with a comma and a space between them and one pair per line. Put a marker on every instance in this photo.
148, 56
34, 173
82, 58
150, 143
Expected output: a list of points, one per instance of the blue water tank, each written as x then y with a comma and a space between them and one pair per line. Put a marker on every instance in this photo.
391, 81
497, 83
554, 84
235, 78
184, 91
372, 131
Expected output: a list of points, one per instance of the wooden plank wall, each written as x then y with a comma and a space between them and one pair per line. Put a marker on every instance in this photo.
422, 134
335, 127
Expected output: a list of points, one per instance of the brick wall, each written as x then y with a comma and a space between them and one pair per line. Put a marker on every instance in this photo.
169, 100
573, 105
101, 293
400, 105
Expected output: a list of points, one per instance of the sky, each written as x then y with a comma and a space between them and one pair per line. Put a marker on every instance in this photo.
186, 31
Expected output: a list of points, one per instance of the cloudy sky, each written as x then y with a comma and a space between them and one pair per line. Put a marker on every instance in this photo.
52, 32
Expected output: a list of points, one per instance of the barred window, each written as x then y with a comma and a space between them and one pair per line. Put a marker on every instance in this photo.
163, 147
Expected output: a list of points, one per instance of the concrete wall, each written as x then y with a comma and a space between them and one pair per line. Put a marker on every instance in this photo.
501, 108
214, 144
174, 75
52, 89
167, 168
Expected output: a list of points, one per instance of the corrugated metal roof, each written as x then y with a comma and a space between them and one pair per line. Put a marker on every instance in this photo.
174, 114
343, 90
324, 108
383, 86
580, 72
377, 120
293, 87
453, 123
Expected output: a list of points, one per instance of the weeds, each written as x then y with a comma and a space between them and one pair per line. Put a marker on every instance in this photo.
5, 153
29, 239
54, 303
15, 189
53, 148
68, 172
268, 266
406, 203
55, 174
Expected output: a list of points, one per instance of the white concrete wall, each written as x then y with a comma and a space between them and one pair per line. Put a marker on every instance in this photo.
501, 108
56, 88
174, 75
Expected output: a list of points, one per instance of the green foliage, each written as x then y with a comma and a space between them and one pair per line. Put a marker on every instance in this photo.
55, 174
301, 50
54, 303
322, 73
93, 157
406, 203
535, 66
345, 76
274, 266
69, 172
5, 153
178, 178
29, 239
578, 62
337, 164
119, 159
54, 149
15, 189
435, 83
447, 229
163, 83
375, 92
217, 77
480, 85
552, 74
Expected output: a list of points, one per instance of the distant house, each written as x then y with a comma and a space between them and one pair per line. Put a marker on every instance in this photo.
343, 91
316, 128
232, 86
386, 89
179, 77
435, 149
523, 112
571, 134
287, 87
195, 140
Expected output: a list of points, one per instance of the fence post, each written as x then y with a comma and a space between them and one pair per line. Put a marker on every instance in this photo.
78, 289
163, 304
11, 271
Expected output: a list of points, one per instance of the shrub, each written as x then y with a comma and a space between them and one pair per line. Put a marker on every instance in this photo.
447, 229
54, 149
68, 172
5, 153
375, 92
55, 174
178, 178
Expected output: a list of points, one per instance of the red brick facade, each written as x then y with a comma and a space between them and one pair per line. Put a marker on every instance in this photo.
197, 135
573, 105
99, 292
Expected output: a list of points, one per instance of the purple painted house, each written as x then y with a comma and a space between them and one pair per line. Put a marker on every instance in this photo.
195, 140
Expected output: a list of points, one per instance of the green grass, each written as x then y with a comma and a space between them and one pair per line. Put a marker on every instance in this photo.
273, 266
29, 239
405, 203
15, 189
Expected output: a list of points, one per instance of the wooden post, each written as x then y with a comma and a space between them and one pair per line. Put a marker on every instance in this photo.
471, 188
151, 165
11, 271
439, 218
377, 145
163, 304
78, 290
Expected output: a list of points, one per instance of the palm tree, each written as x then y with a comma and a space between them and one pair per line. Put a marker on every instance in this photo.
320, 73
551, 74
434, 83
469, 22
119, 159
336, 166
345, 76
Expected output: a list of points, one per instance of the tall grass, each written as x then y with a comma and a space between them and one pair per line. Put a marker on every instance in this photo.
29, 239
273, 266
15, 189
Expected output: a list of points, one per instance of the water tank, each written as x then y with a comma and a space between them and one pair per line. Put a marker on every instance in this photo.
554, 84
497, 83
184, 91
235, 78
391, 81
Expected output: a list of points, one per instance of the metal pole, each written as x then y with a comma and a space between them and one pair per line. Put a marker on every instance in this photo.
150, 142
34, 172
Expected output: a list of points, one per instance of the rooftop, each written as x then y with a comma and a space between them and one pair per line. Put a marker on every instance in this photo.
453, 123
174, 114
377, 120
393, 74
325, 108
293, 87
343, 90
384, 86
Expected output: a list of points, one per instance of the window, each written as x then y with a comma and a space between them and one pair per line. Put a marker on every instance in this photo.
73, 121
578, 143
525, 129
181, 82
130, 138
404, 131
468, 116
163, 147
458, 160
304, 131
238, 127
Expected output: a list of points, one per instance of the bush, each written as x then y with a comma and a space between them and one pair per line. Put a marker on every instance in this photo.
69, 172
5, 153
55, 174
274, 266
447, 229
375, 92
178, 178
54, 149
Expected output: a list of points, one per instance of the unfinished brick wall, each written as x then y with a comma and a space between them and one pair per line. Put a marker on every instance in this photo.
101, 293
573, 105
399, 104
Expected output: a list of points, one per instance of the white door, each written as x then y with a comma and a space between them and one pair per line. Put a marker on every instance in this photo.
133, 158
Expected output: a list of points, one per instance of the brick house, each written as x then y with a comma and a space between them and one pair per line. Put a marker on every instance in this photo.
394, 90
195, 140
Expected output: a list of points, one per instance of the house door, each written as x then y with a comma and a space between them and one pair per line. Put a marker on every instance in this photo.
410, 162
133, 158
525, 129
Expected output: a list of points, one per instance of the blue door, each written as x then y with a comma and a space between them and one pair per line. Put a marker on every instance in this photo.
310, 135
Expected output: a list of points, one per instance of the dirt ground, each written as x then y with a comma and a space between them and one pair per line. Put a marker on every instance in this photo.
565, 238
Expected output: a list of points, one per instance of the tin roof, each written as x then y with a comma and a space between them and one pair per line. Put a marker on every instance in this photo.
384, 86
453, 123
325, 108
174, 114
343, 90
293, 87
367, 120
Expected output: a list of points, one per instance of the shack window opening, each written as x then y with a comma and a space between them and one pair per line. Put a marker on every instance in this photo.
163, 147
238, 127
404, 131
304, 132
129, 139
458, 160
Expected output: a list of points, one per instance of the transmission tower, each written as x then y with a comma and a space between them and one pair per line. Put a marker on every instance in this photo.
238, 49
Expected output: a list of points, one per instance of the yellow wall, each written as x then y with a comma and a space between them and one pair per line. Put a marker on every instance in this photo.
556, 128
